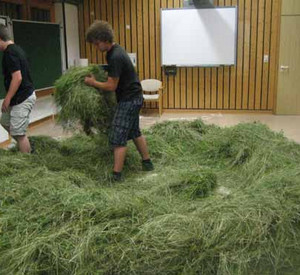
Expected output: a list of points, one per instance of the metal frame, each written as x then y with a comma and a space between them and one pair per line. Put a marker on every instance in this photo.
30, 21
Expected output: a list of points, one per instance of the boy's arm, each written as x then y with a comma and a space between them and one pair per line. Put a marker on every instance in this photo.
15, 83
110, 85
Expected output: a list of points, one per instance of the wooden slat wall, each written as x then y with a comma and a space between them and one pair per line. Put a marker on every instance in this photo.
22, 9
250, 85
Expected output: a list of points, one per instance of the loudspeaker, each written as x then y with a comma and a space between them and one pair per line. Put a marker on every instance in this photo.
198, 4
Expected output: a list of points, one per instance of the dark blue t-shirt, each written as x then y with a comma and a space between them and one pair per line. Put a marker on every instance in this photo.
14, 59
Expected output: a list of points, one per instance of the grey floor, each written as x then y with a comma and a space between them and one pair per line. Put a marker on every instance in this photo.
290, 125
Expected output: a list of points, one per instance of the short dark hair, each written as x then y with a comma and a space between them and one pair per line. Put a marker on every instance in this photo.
4, 34
100, 31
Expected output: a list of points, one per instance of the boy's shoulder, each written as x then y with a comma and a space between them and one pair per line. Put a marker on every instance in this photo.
14, 49
118, 52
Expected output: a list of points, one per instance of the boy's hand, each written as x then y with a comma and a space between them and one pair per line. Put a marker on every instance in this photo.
5, 105
90, 80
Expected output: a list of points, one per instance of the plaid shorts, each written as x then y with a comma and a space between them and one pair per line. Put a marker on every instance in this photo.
125, 124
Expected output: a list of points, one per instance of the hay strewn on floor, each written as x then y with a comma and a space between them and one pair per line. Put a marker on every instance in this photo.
221, 201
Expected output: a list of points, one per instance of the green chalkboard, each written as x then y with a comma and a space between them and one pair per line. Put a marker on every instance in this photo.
41, 43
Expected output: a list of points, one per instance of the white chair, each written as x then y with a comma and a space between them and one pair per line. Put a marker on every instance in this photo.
152, 92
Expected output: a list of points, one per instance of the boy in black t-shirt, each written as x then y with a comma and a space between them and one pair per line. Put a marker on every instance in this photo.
20, 97
123, 80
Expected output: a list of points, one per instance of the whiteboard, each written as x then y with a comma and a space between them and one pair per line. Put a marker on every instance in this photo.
199, 37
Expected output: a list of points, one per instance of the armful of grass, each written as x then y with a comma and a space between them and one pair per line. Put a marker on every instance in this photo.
110, 85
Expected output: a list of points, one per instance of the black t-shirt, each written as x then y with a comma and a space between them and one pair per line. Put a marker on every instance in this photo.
120, 65
14, 59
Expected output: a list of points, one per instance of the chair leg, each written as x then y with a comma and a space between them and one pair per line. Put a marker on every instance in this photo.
160, 106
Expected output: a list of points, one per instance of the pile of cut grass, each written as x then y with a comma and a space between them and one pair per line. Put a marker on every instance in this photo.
220, 201
82, 104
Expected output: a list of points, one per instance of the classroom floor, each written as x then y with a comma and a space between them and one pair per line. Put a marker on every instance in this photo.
290, 125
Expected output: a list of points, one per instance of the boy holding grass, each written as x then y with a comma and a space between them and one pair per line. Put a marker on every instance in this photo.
123, 80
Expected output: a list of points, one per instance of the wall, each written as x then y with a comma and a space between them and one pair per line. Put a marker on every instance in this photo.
72, 34
44, 107
248, 86
35, 10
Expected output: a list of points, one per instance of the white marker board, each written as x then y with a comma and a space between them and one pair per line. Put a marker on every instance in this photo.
199, 37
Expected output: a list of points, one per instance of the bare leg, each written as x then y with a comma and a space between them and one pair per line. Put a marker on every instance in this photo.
119, 158
141, 146
23, 143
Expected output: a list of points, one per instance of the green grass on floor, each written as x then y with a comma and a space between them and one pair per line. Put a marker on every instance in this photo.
220, 201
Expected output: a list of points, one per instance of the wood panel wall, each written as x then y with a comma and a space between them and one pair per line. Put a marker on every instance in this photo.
35, 10
250, 85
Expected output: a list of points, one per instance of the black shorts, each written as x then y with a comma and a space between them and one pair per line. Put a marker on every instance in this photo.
125, 124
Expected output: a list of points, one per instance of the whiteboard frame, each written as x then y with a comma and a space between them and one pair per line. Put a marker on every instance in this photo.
38, 22
203, 65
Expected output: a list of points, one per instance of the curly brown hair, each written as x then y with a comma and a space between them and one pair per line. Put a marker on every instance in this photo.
100, 31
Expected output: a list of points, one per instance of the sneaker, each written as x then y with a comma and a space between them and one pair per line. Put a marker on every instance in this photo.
116, 177
147, 165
